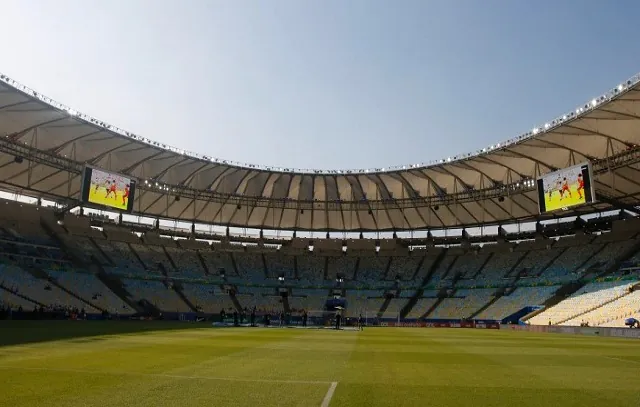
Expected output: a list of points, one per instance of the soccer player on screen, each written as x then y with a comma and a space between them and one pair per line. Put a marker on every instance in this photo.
580, 185
560, 190
565, 186
126, 195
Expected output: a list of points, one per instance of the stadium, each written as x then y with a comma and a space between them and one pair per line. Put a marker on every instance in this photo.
154, 276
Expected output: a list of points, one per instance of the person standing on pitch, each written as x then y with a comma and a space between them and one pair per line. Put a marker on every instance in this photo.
361, 323
338, 317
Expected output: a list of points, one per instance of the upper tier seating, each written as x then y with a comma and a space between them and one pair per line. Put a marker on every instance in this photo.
311, 268
280, 265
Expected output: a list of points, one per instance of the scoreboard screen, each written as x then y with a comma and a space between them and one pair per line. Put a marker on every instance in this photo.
566, 188
108, 189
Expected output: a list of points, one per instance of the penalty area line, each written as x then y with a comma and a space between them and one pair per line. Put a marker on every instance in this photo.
162, 375
329, 395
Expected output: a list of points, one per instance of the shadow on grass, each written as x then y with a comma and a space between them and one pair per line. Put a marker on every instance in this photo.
24, 332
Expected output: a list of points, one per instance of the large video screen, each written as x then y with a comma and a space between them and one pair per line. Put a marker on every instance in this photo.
565, 188
108, 189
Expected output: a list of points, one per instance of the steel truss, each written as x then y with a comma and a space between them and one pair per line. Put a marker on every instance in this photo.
602, 166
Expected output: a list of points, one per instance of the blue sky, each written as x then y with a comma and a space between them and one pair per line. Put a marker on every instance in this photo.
331, 84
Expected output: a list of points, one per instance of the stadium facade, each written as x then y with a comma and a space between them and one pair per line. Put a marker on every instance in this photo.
60, 258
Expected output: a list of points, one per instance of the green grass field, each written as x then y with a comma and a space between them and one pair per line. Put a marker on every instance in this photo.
168, 364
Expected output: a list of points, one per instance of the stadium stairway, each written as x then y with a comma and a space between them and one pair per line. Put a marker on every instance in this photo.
560, 295
418, 267
285, 303
387, 269
102, 252
24, 297
177, 287
384, 306
137, 256
41, 274
166, 253
203, 263
515, 267
115, 285
425, 281
441, 296
233, 297
495, 298
54, 231
326, 268
265, 270
296, 275
481, 269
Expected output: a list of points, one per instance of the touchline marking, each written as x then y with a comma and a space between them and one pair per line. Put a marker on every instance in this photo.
172, 376
329, 395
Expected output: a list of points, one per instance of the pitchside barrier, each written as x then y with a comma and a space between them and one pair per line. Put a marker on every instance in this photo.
577, 330
460, 324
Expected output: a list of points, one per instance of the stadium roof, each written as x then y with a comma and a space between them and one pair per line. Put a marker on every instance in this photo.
494, 185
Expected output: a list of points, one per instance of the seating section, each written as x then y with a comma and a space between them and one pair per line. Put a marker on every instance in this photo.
164, 298
262, 298
208, 298
465, 303
310, 300
33, 244
421, 307
394, 308
187, 262
216, 261
250, 266
37, 289
310, 268
344, 266
280, 265
365, 302
90, 288
589, 297
403, 267
626, 305
15, 302
518, 299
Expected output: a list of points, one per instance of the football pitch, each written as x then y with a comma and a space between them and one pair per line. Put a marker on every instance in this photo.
102, 364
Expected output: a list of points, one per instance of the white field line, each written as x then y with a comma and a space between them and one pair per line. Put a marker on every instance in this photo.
173, 376
623, 360
329, 395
